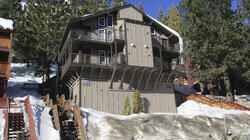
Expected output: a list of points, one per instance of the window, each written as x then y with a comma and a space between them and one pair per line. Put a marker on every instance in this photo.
4, 56
110, 21
110, 36
101, 21
102, 55
152, 31
101, 35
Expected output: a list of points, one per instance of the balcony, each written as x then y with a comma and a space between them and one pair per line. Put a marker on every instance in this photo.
101, 35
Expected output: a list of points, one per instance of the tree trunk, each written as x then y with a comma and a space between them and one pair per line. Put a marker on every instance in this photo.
47, 65
28, 63
228, 88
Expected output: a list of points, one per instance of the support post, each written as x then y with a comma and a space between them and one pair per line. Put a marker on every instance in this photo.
148, 78
132, 78
125, 70
157, 79
100, 76
140, 78
112, 78
91, 72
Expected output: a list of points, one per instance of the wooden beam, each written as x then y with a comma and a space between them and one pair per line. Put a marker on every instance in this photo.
157, 79
169, 76
81, 71
132, 78
91, 72
112, 78
148, 78
100, 76
140, 78
125, 70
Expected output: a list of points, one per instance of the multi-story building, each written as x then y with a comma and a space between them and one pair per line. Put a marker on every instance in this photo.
5, 50
106, 56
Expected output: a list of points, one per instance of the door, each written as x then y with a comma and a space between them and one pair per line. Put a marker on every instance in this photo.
110, 35
102, 56
101, 35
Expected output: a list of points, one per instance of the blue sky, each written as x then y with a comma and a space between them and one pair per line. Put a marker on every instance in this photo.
151, 7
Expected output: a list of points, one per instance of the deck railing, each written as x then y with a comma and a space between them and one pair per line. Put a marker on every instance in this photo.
87, 59
101, 35
159, 63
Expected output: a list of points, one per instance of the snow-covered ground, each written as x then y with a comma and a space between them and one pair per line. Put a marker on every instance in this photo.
193, 120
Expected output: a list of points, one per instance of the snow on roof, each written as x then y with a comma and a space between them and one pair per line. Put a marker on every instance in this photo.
6, 24
86, 15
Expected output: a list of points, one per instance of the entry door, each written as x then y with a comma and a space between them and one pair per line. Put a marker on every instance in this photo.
102, 56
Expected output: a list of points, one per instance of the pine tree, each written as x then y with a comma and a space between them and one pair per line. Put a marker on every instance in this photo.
162, 17
117, 3
216, 42
137, 102
10, 9
126, 107
174, 20
140, 7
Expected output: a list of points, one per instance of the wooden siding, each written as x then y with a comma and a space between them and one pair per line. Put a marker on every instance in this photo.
139, 35
6, 43
5, 69
96, 95
130, 13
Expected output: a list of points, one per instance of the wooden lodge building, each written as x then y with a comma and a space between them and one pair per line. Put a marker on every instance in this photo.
106, 56
5, 51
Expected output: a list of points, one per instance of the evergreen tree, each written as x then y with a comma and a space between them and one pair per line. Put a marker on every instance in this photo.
162, 17
10, 9
117, 3
126, 107
215, 39
174, 20
140, 7
137, 102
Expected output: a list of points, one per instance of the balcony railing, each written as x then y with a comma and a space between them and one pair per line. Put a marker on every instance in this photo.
101, 35
87, 59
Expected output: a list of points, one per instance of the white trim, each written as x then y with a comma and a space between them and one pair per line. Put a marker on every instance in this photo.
112, 35
107, 20
104, 21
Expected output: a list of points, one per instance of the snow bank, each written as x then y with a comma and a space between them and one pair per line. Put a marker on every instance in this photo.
2, 123
191, 108
6, 24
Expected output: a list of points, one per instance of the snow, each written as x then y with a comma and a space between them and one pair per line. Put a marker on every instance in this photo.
191, 109
6, 24
43, 121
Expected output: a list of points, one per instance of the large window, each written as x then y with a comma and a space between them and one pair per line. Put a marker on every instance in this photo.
110, 21
101, 21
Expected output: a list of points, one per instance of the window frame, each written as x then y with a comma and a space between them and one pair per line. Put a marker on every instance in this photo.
99, 22
111, 19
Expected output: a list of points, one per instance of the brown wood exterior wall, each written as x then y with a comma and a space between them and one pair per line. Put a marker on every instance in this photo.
96, 95
130, 13
139, 54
